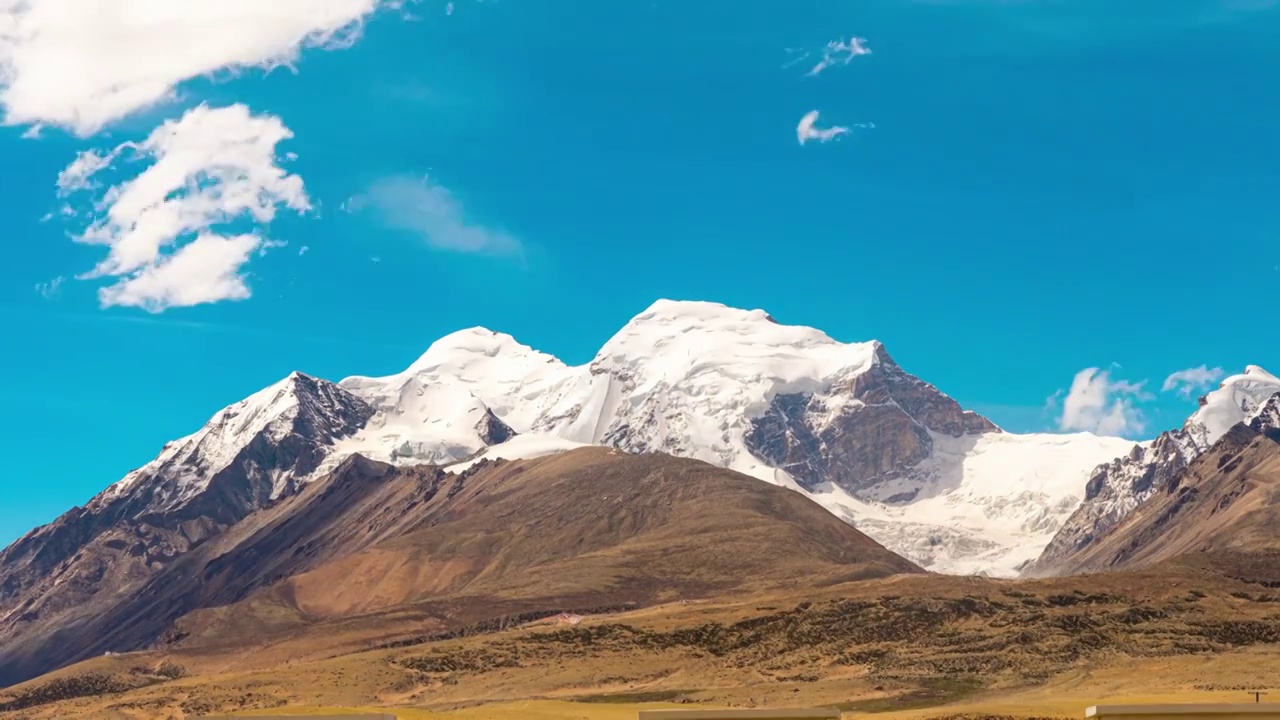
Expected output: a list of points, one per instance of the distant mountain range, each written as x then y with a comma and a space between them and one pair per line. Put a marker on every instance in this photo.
312, 499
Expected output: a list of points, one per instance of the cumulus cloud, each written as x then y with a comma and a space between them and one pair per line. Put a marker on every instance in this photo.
1099, 404
210, 168
82, 64
428, 210
808, 129
1192, 380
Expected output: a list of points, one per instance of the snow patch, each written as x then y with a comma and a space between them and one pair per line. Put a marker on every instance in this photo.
520, 447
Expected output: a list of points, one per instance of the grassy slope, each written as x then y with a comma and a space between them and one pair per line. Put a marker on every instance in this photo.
903, 647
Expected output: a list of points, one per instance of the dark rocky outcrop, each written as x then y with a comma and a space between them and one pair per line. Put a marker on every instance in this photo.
57, 576
871, 427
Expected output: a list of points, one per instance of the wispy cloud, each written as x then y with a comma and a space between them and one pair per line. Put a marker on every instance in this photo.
52, 289
839, 52
807, 130
430, 211
835, 53
209, 168
1192, 380
1100, 404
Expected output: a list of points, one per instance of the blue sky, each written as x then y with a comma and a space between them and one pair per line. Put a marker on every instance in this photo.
1048, 187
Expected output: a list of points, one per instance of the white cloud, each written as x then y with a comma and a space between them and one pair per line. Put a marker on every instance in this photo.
429, 210
840, 52
79, 174
807, 130
212, 167
1099, 404
82, 64
1192, 380
205, 270
51, 289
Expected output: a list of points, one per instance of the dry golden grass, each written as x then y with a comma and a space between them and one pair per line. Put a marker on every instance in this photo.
770, 614
909, 647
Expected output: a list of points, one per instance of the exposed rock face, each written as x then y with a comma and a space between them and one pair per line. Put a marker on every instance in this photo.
60, 573
1117, 489
1223, 502
868, 428
492, 430
248, 454
1114, 490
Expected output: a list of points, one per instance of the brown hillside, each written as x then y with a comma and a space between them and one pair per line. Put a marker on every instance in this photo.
584, 529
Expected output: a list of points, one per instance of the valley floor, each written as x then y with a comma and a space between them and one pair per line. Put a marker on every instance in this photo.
903, 647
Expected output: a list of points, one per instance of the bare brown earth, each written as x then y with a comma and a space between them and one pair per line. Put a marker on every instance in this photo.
376, 551
583, 531
910, 646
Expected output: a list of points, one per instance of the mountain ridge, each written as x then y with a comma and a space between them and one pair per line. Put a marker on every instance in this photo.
787, 404
1116, 489
592, 523
1225, 502
738, 389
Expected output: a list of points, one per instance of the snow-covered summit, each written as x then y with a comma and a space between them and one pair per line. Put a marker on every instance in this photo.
1238, 399
287, 421
788, 404
841, 422
711, 347
482, 355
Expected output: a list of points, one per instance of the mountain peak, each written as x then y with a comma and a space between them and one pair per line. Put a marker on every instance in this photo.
698, 310
691, 336
469, 341
475, 353
1238, 399
299, 411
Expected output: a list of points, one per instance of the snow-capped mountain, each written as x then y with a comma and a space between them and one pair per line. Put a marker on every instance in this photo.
841, 422
248, 455
1117, 488
272, 439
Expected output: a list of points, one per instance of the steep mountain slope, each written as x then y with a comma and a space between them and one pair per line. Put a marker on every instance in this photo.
249, 454
1227, 501
1116, 489
591, 527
